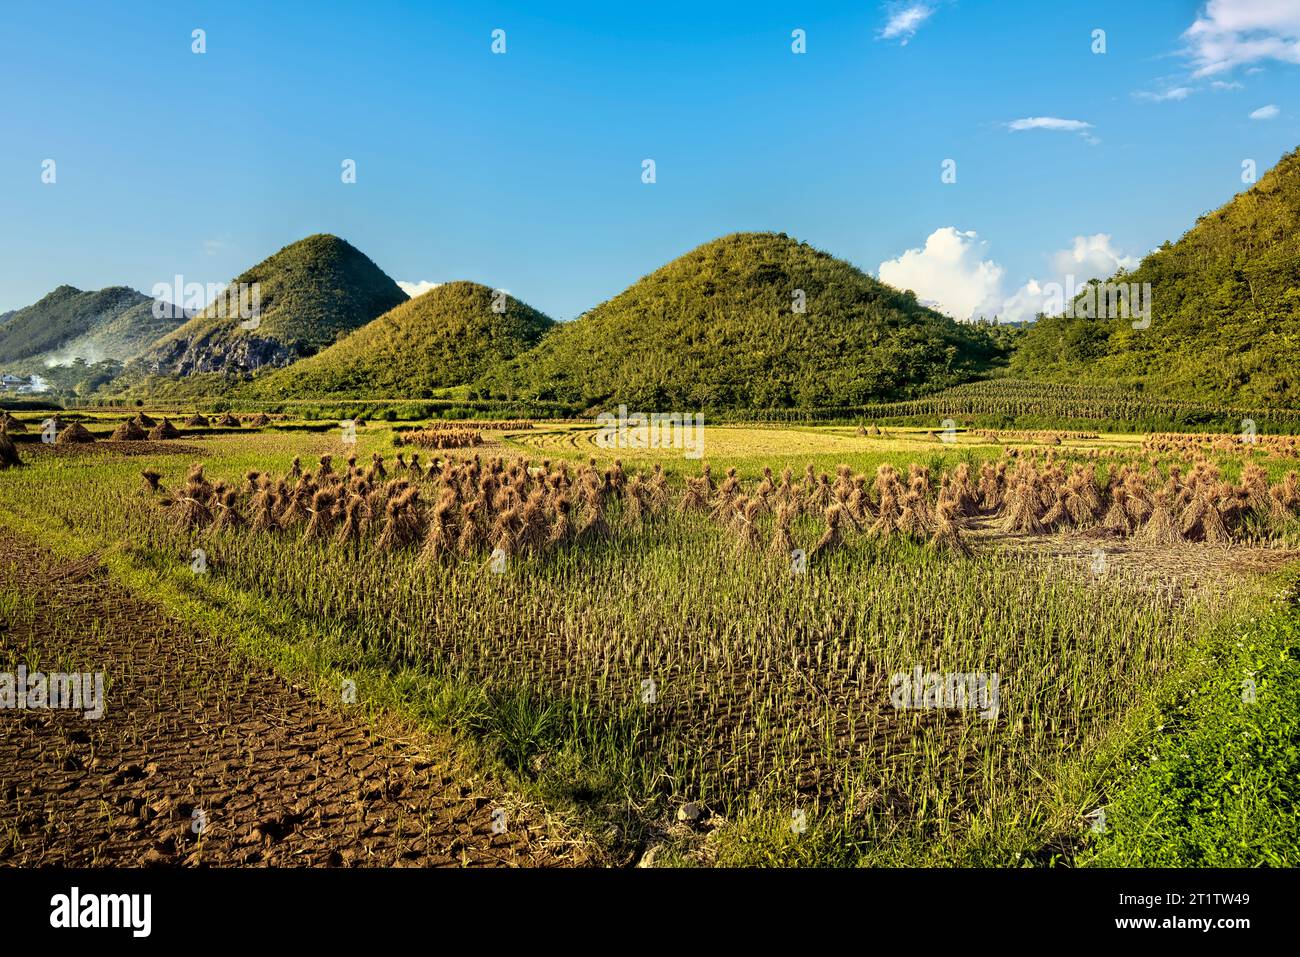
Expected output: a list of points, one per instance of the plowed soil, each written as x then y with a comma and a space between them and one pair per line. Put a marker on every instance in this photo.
201, 759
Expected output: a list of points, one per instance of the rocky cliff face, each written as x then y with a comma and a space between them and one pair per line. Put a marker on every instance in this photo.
215, 354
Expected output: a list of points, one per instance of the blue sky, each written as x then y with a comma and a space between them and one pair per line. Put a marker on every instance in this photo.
523, 170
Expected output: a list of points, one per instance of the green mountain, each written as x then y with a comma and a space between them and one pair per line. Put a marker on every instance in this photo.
448, 336
1225, 311
294, 304
721, 328
68, 324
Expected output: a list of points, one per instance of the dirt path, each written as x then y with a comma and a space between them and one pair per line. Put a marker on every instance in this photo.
199, 760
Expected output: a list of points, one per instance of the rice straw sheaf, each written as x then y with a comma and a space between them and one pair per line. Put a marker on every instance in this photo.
9, 457
75, 434
128, 431
164, 430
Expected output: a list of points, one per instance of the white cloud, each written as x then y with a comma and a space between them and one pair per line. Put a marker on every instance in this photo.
1233, 33
1226, 85
414, 289
1091, 257
949, 274
904, 20
954, 274
1025, 303
1088, 257
1056, 124
1175, 93
1265, 112
1048, 123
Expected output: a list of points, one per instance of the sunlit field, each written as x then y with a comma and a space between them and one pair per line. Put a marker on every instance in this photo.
692, 666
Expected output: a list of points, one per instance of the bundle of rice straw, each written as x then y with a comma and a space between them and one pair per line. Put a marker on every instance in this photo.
164, 430
9, 424
128, 431
8, 452
75, 434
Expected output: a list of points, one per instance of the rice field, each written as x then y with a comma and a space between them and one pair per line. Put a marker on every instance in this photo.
832, 645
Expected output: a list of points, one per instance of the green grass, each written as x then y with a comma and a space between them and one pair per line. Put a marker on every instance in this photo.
1218, 785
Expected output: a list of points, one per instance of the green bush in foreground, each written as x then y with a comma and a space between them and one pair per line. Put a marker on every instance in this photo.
1220, 787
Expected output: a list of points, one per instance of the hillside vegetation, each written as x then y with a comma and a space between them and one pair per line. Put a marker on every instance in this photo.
113, 323
1005, 403
445, 337
311, 292
1225, 320
718, 328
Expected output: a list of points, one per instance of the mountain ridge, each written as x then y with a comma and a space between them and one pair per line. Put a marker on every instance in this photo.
68, 323
1225, 310
309, 293
748, 320
445, 337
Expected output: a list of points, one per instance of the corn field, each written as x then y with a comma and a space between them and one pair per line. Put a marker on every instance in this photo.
1016, 403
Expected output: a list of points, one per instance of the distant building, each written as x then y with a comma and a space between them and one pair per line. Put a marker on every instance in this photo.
12, 383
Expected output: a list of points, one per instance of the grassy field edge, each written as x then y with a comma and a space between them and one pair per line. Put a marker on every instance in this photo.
1217, 783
